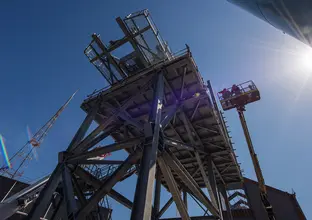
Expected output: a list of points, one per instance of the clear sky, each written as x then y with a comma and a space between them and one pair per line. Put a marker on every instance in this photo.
42, 64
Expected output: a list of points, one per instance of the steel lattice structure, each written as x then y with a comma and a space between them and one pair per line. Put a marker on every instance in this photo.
161, 112
23, 156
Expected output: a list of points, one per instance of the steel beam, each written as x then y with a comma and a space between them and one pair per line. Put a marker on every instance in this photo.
189, 181
131, 120
96, 183
131, 39
82, 145
103, 150
185, 198
183, 81
157, 192
83, 129
121, 199
170, 114
79, 192
206, 181
105, 133
45, 196
108, 55
108, 184
165, 207
226, 200
175, 143
68, 191
93, 135
188, 124
212, 179
173, 188
142, 208
195, 110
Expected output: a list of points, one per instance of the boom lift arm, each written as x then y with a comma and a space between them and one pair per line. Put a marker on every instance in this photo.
263, 191
238, 97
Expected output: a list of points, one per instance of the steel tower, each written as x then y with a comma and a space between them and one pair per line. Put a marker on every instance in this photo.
158, 109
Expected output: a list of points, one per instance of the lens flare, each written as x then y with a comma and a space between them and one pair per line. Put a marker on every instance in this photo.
4, 152
32, 148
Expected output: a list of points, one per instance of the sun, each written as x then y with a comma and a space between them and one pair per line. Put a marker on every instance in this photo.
306, 61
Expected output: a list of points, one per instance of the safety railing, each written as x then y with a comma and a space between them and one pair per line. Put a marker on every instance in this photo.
237, 90
175, 56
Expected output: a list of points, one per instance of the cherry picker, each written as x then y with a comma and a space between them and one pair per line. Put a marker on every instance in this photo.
238, 96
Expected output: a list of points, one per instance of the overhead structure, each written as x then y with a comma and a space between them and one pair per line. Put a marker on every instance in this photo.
24, 155
159, 110
238, 96
165, 118
292, 17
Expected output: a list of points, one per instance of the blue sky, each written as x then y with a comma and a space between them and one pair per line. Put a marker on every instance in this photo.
42, 64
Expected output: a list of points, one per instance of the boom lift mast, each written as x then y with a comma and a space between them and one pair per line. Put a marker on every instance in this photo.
237, 97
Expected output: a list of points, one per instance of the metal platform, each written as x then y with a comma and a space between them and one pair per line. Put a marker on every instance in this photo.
195, 117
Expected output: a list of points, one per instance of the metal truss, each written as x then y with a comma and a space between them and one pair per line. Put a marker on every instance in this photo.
75, 189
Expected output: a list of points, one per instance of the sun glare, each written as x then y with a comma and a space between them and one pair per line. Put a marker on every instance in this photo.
306, 61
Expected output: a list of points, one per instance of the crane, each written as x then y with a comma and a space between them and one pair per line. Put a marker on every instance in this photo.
24, 155
238, 97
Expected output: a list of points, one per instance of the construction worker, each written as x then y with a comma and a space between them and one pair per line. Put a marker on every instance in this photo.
235, 90
225, 95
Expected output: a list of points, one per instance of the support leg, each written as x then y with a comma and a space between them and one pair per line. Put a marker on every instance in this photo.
142, 208
68, 191
157, 193
176, 194
45, 196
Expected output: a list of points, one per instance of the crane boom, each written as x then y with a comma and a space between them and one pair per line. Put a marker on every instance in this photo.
23, 156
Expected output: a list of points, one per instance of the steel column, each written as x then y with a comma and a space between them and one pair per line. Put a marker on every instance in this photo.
227, 203
176, 194
157, 193
142, 208
45, 196
68, 191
